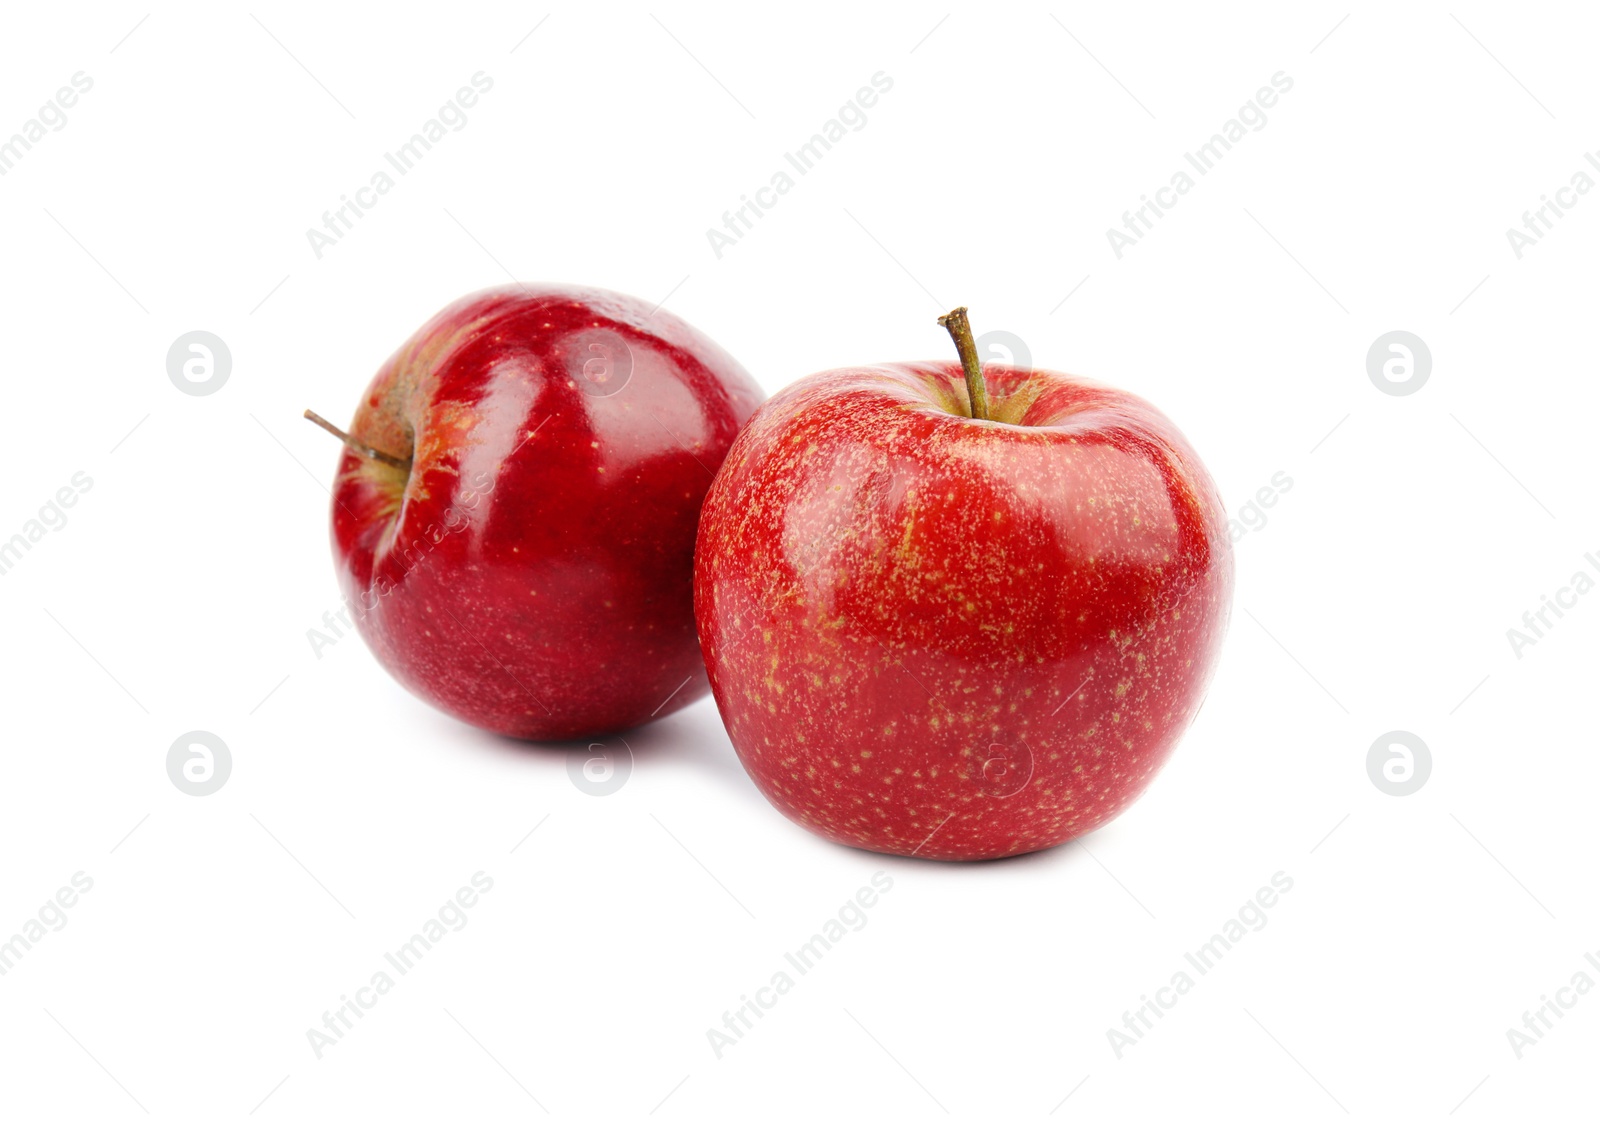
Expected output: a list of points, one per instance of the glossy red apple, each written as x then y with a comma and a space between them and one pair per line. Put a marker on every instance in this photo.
514, 522
957, 638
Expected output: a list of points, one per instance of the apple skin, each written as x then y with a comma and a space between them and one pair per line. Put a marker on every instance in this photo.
958, 639
533, 574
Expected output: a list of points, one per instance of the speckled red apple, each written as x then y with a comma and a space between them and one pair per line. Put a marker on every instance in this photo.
514, 523
952, 637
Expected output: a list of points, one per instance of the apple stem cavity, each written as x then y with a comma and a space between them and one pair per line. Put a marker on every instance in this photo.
358, 446
961, 333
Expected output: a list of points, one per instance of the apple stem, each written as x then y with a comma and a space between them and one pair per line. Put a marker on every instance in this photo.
359, 447
961, 333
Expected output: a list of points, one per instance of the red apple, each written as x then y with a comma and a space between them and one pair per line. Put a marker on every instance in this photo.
952, 637
514, 522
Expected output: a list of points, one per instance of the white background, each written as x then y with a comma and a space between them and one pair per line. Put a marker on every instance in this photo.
1377, 597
